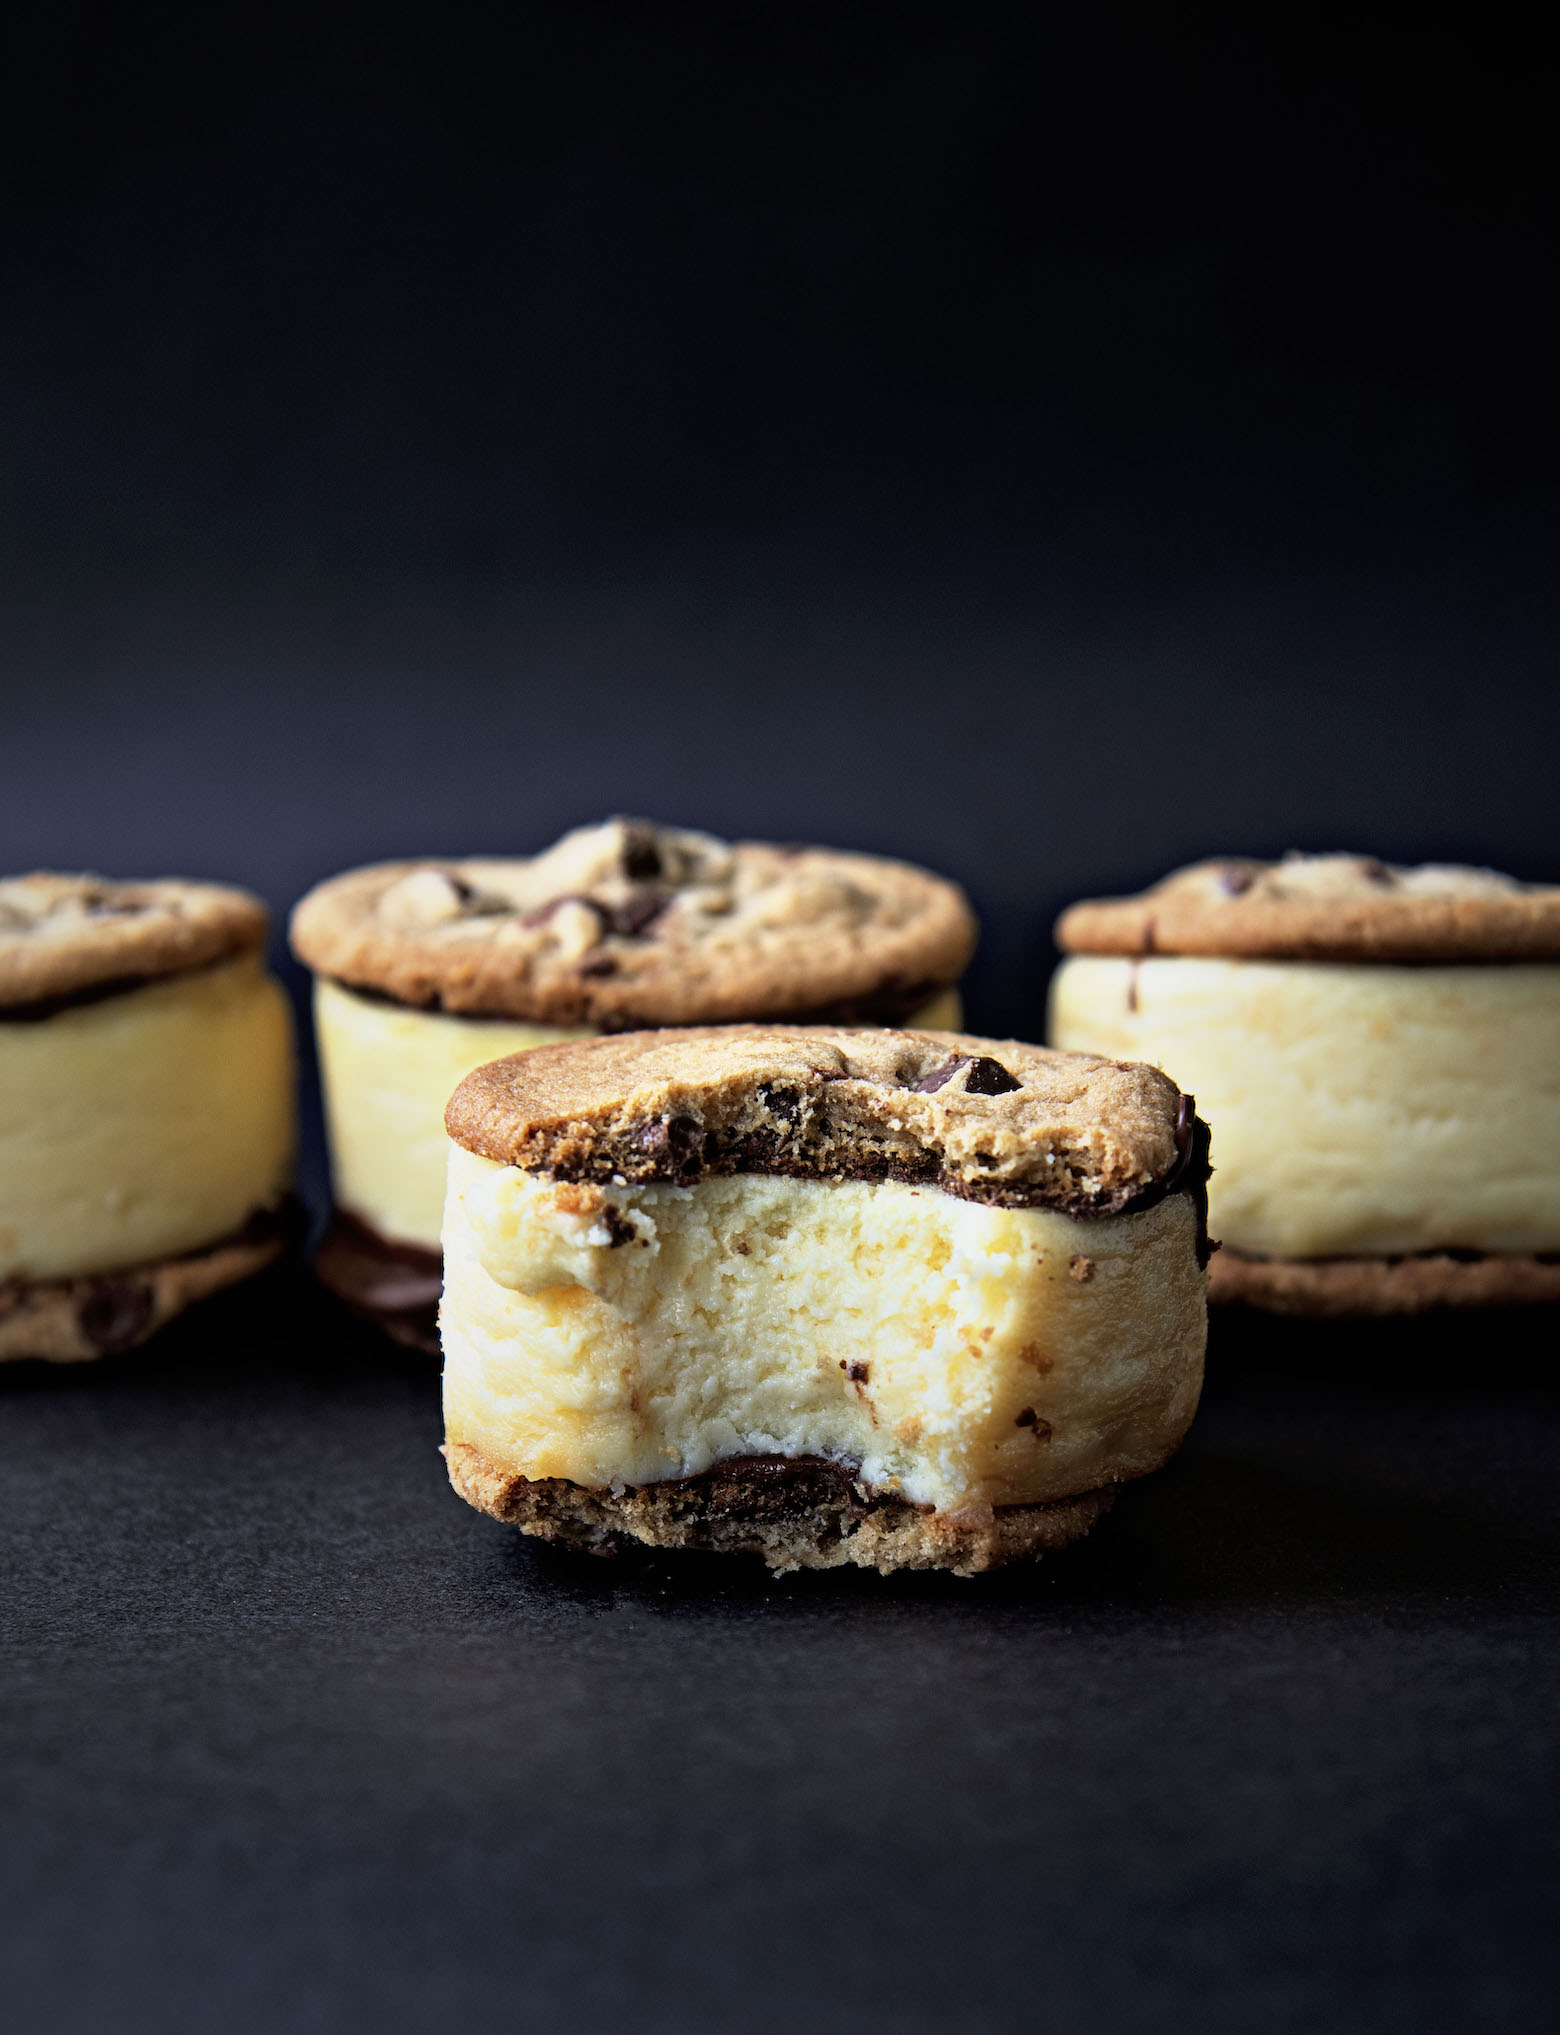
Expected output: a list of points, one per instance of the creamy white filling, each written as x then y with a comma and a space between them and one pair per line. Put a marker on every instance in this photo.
388, 1072
965, 1356
1355, 1110
145, 1125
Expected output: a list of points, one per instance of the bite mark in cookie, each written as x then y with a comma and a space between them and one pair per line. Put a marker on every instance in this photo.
669, 1253
1005, 1123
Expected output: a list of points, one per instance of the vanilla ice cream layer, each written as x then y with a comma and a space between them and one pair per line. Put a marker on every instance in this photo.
388, 1071
964, 1356
145, 1125
1356, 1111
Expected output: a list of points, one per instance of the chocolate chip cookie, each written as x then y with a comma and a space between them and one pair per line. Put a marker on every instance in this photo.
146, 1107
426, 969
1376, 1049
826, 1295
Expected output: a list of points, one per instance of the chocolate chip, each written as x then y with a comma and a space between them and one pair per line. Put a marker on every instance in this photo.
785, 1103
114, 1312
618, 1227
1029, 1418
544, 912
857, 1373
635, 915
989, 1077
986, 1076
641, 855
675, 1147
943, 1076
1236, 878
599, 964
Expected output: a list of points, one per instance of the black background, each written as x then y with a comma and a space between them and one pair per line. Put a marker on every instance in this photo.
1046, 446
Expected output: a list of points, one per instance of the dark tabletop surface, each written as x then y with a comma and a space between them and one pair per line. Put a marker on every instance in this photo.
296, 1740
1048, 445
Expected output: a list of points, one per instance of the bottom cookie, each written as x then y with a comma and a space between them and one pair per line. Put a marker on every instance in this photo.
796, 1513
395, 1286
71, 1321
1409, 1285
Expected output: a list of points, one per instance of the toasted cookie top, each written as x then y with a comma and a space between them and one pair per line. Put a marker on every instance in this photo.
629, 924
63, 937
988, 1120
1324, 908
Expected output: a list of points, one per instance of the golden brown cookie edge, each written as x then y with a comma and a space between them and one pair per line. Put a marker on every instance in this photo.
43, 1319
539, 1111
333, 933
874, 1531
1420, 1284
1404, 929
132, 949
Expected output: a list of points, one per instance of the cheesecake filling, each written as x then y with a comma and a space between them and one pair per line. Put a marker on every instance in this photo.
954, 1354
143, 1125
388, 1070
1357, 1110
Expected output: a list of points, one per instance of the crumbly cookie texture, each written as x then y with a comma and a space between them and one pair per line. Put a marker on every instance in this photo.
71, 1321
628, 924
63, 937
1324, 908
1421, 1284
993, 1121
794, 1513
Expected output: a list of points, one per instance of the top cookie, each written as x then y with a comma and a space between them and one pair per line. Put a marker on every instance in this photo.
69, 937
628, 924
988, 1120
1324, 908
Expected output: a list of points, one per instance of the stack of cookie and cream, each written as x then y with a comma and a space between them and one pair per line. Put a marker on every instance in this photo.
425, 970
1378, 1050
745, 1245
146, 1107
731, 1237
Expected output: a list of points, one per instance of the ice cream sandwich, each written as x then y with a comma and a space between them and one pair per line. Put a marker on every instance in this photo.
1378, 1052
146, 1107
826, 1295
427, 969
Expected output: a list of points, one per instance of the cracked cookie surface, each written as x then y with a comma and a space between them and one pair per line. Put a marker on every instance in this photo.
627, 924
